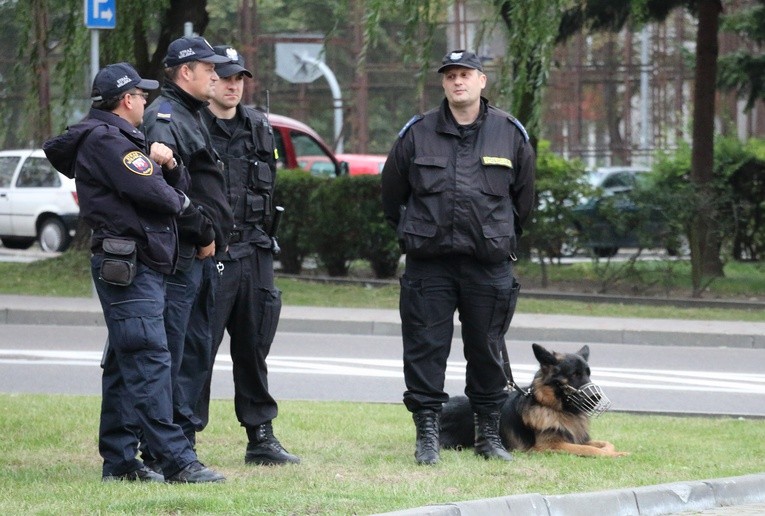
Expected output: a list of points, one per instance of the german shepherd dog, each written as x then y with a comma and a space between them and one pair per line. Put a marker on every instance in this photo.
552, 414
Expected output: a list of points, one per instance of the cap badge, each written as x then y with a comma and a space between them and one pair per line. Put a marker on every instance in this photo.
455, 56
186, 53
232, 54
123, 81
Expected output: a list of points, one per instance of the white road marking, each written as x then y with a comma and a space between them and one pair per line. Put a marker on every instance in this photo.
654, 379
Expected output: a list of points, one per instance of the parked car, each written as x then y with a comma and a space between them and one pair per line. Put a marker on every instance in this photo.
299, 146
358, 164
36, 202
295, 141
611, 219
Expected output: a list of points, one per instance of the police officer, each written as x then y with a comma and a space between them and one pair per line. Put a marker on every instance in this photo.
246, 301
174, 119
458, 186
126, 198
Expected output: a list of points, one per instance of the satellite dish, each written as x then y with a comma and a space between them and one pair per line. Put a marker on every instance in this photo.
294, 61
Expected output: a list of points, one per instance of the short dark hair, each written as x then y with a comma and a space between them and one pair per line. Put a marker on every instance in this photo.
108, 104
171, 73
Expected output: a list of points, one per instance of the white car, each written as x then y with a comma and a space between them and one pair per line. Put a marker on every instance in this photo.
36, 202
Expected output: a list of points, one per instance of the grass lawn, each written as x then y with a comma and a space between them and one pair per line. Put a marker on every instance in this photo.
68, 275
357, 459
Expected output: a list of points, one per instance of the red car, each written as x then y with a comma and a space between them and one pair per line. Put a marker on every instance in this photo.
300, 146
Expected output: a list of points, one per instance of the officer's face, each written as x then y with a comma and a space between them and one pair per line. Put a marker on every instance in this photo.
463, 86
201, 80
228, 91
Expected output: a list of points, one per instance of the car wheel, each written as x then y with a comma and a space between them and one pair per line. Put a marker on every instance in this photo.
605, 252
53, 236
18, 242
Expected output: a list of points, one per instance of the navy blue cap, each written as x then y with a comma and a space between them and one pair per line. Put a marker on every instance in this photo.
185, 50
235, 64
463, 58
114, 79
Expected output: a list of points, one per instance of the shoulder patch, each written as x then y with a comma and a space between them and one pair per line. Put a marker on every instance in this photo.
410, 123
519, 125
138, 163
165, 111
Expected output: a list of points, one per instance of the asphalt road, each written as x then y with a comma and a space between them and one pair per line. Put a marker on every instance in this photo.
366, 368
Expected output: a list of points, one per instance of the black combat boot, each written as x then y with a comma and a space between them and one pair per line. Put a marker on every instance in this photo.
265, 449
487, 440
427, 445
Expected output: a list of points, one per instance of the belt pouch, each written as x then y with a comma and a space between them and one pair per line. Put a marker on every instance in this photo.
119, 265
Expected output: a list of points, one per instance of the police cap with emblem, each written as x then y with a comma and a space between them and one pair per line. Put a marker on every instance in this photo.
185, 50
114, 79
235, 64
463, 58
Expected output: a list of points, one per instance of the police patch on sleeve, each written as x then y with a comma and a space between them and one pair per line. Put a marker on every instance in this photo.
138, 163
410, 123
165, 111
520, 127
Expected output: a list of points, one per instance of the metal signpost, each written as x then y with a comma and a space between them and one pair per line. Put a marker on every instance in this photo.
303, 63
99, 14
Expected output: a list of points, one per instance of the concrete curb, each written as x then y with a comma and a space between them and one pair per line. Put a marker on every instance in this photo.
659, 499
367, 321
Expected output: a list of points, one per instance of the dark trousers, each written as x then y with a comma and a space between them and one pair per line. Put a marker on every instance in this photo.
431, 291
136, 382
247, 304
188, 322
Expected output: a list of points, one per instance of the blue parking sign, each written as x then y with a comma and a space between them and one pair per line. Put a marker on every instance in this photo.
100, 14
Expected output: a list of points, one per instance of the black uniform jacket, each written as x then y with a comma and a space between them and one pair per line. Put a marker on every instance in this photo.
173, 119
121, 191
245, 144
459, 190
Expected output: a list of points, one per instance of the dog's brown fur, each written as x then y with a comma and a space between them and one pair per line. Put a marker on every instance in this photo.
541, 421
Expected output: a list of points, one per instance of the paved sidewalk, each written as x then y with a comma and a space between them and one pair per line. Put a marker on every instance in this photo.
367, 321
722, 497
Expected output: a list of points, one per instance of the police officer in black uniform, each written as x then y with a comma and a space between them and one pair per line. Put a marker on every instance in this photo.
457, 186
246, 301
174, 119
126, 198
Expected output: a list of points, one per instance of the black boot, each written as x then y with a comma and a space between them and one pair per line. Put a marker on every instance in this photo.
487, 440
426, 447
265, 449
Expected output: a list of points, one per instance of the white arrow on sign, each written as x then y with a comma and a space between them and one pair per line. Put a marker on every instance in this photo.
98, 15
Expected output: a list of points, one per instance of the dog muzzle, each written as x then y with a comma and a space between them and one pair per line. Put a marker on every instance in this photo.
589, 399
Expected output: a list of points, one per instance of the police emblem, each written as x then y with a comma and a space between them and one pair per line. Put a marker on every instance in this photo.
138, 163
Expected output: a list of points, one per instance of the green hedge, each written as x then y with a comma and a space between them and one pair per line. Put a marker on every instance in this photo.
337, 220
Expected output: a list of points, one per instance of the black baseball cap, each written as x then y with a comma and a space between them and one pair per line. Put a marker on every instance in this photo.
185, 50
235, 64
463, 58
114, 79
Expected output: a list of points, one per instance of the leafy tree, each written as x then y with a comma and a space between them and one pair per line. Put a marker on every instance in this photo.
744, 70
613, 15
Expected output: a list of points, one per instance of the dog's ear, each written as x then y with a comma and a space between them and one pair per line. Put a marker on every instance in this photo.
584, 352
544, 357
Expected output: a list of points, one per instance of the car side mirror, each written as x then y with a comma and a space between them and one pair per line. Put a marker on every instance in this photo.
342, 168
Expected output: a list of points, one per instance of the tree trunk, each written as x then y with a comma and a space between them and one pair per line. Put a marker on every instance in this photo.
705, 239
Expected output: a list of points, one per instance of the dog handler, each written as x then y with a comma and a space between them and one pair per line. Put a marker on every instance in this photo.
457, 186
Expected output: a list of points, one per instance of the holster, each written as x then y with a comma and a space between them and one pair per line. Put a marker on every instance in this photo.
120, 261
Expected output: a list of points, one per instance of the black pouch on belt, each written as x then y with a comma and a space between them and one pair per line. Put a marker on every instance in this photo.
119, 265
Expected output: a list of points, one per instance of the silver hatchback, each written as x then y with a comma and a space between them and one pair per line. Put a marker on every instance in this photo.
36, 202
